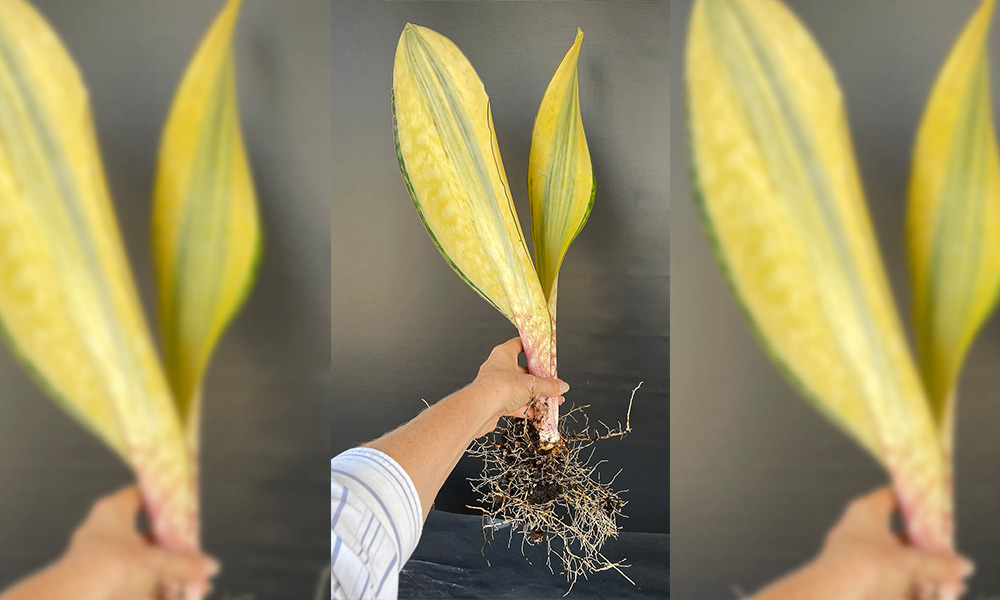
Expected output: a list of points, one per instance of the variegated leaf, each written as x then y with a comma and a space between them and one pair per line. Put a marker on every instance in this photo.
67, 299
561, 183
782, 202
953, 226
449, 158
206, 232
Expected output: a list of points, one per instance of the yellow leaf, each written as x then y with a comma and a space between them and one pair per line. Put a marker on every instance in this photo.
450, 161
206, 233
561, 183
953, 223
67, 300
782, 201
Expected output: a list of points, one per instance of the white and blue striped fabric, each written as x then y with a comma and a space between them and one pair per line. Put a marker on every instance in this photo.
375, 524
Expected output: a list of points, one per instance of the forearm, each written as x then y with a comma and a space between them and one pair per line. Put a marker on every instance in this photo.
54, 582
812, 581
429, 446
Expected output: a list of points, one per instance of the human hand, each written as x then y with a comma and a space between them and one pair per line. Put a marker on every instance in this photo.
509, 387
109, 559
871, 562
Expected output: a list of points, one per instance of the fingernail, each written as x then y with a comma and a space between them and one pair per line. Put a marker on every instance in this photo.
563, 387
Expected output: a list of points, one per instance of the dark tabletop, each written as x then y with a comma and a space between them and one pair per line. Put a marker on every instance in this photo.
451, 562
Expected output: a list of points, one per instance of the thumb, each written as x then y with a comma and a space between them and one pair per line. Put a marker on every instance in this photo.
190, 568
548, 387
115, 513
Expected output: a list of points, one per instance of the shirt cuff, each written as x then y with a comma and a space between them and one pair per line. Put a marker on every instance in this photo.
374, 478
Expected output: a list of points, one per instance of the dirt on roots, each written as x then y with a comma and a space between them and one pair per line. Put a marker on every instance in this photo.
551, 497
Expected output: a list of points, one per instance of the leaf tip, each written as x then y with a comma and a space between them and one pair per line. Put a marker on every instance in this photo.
233, 7
410, 32
411, 29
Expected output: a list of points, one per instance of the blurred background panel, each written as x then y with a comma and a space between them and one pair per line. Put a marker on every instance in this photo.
757, 476
405, 327
266, 438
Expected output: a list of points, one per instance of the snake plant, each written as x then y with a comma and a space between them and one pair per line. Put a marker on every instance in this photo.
68, 302
448, 155
782, 202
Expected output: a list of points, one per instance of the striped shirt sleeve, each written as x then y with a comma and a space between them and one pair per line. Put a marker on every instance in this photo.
375, 524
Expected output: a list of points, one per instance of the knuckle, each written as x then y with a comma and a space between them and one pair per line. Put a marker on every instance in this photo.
856, 507
831, 538
102, 507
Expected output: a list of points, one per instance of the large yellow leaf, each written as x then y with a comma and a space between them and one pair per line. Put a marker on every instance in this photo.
67, 300
448, 154
560, 176
449, 158
206, 233
953, 224
782, 202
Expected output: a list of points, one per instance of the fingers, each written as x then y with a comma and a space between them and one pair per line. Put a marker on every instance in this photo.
192, 569
525, 412
512, 385
547, 387
528, 388
940, 569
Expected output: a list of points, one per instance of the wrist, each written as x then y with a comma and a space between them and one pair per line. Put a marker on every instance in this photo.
484, 399
480, 410
812, 580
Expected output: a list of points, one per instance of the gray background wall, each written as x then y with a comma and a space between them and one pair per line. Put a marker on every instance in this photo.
757, 476
267, 392
405, 327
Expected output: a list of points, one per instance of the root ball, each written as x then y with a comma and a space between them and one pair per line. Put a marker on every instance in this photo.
552, 497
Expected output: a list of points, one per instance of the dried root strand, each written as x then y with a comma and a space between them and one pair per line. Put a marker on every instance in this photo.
552, 497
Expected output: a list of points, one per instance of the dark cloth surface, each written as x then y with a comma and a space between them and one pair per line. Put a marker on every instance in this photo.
451, 562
